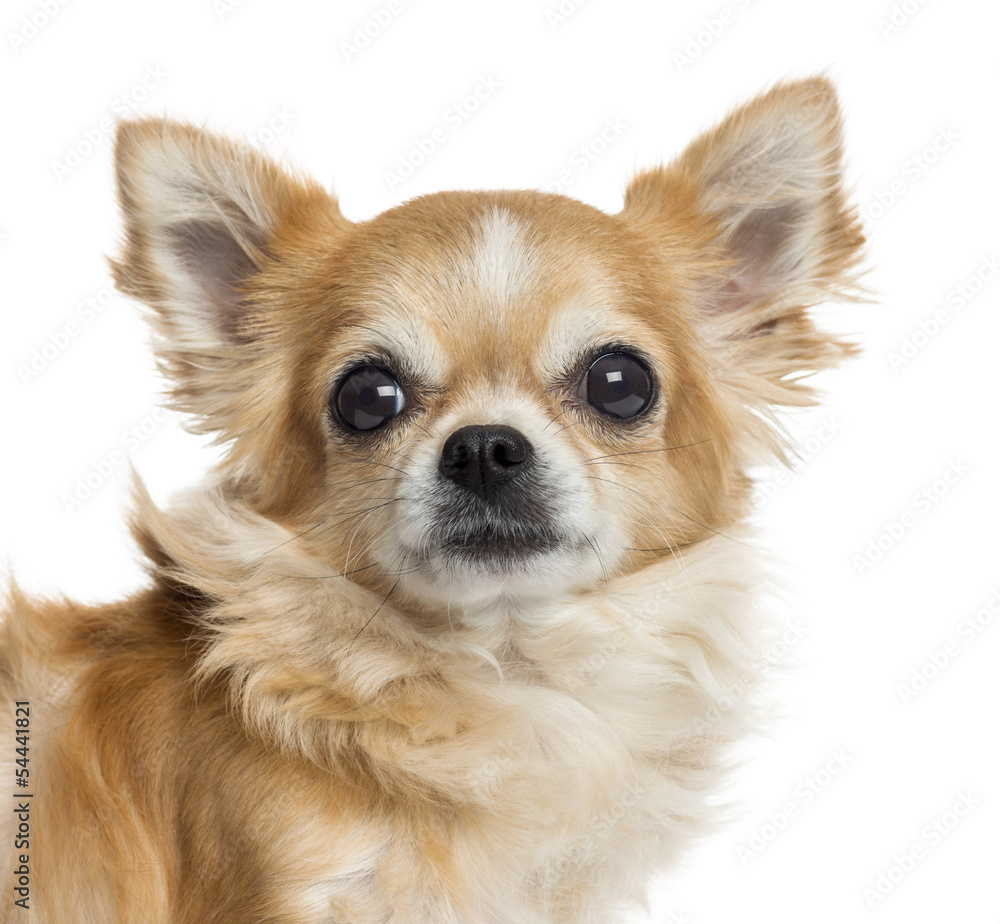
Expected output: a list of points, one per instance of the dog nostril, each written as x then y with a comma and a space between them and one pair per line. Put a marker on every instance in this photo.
483, 459
511, 453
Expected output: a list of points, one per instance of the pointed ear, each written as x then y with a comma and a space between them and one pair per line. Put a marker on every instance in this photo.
203, 216
762, 196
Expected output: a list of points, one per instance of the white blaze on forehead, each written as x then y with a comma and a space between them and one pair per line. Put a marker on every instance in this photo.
503, 264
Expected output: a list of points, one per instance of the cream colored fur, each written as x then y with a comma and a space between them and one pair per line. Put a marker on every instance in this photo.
316, 714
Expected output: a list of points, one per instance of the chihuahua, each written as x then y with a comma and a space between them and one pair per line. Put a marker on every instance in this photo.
464, 625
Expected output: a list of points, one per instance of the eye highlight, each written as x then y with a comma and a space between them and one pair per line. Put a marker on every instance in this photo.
619, 385
367, 398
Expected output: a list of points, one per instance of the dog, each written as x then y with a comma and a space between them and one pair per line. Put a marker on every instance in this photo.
463, 627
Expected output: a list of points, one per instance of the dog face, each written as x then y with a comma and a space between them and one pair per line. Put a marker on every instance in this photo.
483, 398
489, 391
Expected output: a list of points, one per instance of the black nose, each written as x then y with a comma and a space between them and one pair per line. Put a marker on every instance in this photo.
485, 459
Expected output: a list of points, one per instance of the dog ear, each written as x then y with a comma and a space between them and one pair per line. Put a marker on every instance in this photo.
202, 217
762, 196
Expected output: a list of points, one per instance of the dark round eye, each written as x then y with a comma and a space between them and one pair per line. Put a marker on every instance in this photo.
368, 397
619, 385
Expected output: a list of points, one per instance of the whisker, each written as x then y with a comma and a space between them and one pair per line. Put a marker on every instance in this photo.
613, 462
321, 577
709, 528
336, 494
373, 462
676, 509
600, 558
634, 452
553, 420
304, 532
330, 522
669, 548
361, 552
566, 426
367, 545
347, 517
350, 481
644, 521
325, 524
378, 610
672, 546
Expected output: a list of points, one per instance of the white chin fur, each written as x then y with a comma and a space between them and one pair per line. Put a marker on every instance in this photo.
475, 586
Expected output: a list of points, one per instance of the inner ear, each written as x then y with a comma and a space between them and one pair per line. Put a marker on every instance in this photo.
221, 262
770, 250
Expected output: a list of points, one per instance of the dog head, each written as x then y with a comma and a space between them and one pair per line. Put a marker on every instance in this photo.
500, 396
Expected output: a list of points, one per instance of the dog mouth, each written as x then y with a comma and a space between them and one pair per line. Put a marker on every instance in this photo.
491, 545
475, 555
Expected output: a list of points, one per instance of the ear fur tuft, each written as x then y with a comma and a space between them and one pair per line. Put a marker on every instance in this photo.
203, 217
764, 189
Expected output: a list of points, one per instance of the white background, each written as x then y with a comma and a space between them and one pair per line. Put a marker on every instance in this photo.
280, 73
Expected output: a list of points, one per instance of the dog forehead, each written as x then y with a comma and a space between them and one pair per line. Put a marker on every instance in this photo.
502, 264
497, 282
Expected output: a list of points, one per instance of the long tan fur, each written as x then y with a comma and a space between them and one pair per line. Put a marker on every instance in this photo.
304, 718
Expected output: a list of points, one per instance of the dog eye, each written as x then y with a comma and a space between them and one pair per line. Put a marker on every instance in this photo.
619, 385
368, 397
